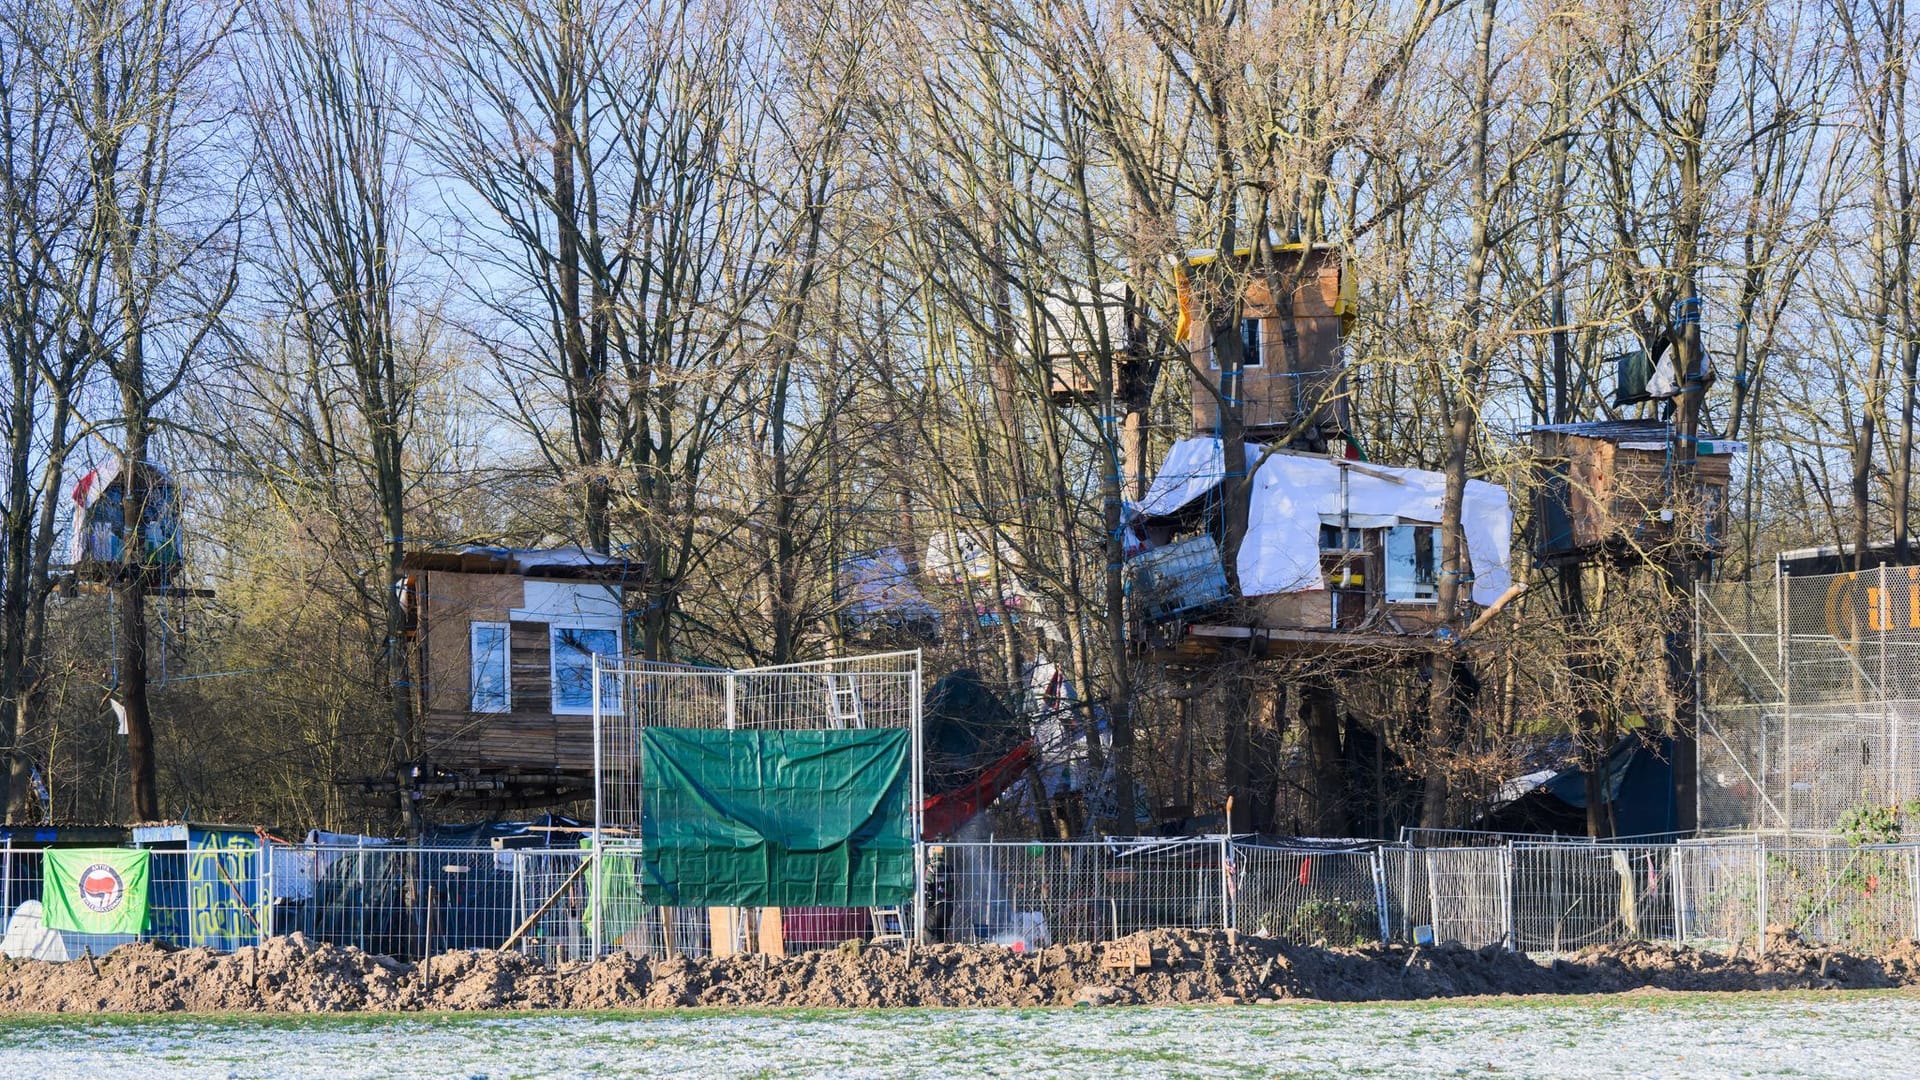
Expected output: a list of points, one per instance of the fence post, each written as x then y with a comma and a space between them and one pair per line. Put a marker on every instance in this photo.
1378, 865
1760, 890
1680, 896
1506, 893
1913, 886
1433, 894
6, 884
1226, 882
263, 925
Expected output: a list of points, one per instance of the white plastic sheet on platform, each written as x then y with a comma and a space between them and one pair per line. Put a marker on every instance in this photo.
1292, 493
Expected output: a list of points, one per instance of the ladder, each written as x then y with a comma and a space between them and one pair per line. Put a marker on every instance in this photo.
889, 926
843, 702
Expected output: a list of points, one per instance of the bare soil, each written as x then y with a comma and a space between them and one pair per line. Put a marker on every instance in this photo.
293, 975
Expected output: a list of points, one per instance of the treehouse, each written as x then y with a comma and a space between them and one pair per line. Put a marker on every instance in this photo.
1337, 555
1608, 487
881, 603
1071, 326
503, 642
98, 551
1293, 318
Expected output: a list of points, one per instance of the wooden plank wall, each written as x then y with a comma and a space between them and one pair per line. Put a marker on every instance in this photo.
529, 737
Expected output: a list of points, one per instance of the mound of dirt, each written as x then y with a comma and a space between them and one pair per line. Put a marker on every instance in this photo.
294, 975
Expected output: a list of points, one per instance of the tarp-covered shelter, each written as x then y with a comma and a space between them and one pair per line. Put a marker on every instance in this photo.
97, 547
1331, 545
1639, 790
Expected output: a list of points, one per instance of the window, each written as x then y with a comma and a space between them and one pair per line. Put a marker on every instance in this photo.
491, 679
1411, 566
1250, 356
574, 648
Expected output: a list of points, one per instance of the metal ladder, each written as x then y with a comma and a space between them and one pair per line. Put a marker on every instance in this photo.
843, 702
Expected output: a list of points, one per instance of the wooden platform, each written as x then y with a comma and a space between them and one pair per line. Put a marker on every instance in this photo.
1201, 643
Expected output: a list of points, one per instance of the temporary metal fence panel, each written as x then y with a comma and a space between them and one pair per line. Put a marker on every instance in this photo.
1037, 893
1568, 896
1719, 889
194, 898
878, 691
1810, 698
1861, 899
404, 902
1307, 896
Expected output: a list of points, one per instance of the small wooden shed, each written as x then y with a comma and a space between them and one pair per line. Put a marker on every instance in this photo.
503, 647
1609, 484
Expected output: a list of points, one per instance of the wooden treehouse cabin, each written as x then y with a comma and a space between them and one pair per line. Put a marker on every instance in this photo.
1292, 367
1606, 488
503, 642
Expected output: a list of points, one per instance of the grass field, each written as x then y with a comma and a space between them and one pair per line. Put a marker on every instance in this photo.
1857, 1035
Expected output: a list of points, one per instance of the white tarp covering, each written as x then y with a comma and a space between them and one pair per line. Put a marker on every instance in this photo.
880, 586
1281, 552
28, 938
1192, 469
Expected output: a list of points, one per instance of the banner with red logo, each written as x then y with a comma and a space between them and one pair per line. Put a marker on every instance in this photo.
96, 890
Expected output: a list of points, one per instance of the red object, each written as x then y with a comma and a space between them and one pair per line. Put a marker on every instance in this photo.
949, 810
803, 926
1306, 871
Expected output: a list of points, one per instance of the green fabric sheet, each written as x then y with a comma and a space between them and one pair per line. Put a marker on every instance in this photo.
775, 818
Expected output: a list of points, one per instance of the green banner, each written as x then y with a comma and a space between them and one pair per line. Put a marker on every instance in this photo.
96, 890
775, 818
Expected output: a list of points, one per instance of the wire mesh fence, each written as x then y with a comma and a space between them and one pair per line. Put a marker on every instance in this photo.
1810, 699
1309, 897
1032, 894
559, 906
195, 897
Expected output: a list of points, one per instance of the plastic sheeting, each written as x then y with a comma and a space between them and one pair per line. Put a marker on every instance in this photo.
1281, 552
776, 818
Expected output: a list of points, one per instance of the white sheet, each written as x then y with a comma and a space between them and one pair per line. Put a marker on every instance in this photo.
1281, 552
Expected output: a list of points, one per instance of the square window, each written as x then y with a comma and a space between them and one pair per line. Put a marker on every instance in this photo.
574, 648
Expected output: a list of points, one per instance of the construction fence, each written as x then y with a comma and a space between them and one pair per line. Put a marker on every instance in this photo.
1809, 699
1535, 896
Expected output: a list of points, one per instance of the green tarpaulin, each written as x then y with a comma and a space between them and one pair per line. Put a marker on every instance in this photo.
775, 818
96, 891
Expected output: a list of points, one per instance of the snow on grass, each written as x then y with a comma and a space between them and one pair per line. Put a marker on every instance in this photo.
1637, 1035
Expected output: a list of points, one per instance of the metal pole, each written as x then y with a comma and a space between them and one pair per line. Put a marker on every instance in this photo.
1680, 896
1784, 631
918, 782
1377, 863
597, 891
1760, 889
1506, 891
1892, 755
1226, 883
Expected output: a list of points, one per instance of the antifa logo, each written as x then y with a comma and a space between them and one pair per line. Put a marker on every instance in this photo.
101, 888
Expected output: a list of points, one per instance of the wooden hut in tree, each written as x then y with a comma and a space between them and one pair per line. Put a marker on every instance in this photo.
1607, 488
503, 642
1292, 322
